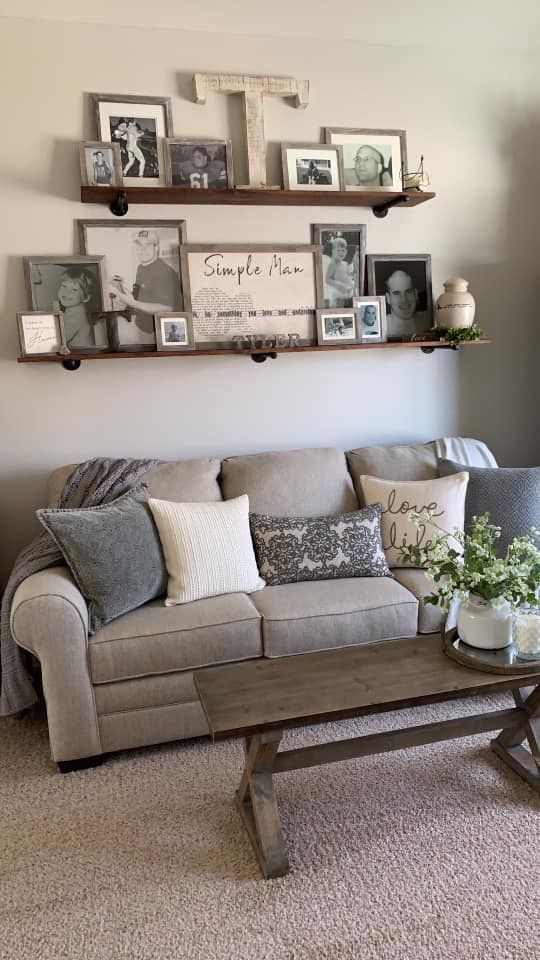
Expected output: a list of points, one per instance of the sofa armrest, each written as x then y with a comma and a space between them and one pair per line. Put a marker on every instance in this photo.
49, 617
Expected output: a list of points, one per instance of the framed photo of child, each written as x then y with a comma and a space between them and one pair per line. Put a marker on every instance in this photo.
340, 266
73, 288
101, 165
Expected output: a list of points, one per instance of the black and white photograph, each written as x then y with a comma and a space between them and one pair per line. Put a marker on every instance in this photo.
371, 314
311, 166
101, 164
138, 125
73, 288
341, 264
199, 164
337, 326
174, 331
141, 270
40, 333
404, 280
372, 159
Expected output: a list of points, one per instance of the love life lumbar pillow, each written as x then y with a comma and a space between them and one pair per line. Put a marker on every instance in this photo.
444, 498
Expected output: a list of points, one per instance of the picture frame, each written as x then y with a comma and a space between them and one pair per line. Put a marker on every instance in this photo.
373, 159
100, 171
340, 263
41, 333
202, 163
250, 290
404, 280
371, 313
174, 331
336, 326
141, 270
312, 166
139, 124
73, 287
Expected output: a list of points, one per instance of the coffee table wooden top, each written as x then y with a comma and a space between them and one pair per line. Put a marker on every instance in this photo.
240, 699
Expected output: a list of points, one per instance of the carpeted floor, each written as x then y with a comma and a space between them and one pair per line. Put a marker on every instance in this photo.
427, 854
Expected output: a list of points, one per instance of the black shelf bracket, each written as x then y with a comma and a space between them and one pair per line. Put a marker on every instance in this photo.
120, 205
381, 210
261, 357
71, 364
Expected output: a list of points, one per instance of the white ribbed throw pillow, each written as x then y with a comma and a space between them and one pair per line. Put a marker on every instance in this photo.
207, 548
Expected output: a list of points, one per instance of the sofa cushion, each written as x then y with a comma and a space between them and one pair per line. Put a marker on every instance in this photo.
292, 549
113, 551
207, 547
431, 618
179, 480
299, 483
301, 617
443, 497
511, 496
157, 639
401, 461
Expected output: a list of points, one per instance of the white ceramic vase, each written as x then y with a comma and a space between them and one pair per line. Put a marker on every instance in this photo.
480, 624
455, 307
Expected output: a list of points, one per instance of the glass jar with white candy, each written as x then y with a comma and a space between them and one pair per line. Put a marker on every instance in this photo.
526, 632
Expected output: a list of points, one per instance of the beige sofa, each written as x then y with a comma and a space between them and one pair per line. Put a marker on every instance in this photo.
131, 683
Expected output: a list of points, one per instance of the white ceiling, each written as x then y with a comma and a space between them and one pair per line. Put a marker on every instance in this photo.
485, 24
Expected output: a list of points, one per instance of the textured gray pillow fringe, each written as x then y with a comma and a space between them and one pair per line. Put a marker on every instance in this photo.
91, 483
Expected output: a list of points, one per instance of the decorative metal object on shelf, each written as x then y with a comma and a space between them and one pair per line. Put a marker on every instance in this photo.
417, 179
263, 341
253, 89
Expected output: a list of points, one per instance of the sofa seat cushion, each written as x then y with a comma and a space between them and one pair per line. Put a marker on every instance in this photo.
297, 483
307, 616
431, 618
156, 639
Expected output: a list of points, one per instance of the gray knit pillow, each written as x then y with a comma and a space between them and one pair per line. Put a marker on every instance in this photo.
290, 549
511, 496
114, 554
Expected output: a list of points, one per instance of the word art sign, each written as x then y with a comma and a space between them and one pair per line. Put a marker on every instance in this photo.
250, 291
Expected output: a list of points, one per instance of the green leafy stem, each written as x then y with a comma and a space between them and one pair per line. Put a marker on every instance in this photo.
457, 335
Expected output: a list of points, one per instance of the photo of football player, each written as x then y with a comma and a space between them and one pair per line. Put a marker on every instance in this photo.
198, 166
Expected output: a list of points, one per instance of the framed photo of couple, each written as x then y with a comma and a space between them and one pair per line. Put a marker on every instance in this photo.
139, 126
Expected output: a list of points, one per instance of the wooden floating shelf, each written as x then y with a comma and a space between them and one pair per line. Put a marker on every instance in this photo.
77, 358
380, 200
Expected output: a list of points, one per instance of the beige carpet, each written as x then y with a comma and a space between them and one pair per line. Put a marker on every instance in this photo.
430, 854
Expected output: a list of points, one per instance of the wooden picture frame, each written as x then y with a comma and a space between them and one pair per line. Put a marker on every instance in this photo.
337, 326
217, 174
130, 275
72, 286
246, 290
41, 333
139, 124
371, 313
312, 166
349, 270
409, 305
167, 338
373, 159
110, 174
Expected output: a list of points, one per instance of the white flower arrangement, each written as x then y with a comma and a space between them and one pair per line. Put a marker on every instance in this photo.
473, 567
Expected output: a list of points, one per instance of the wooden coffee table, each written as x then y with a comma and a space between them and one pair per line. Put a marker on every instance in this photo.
259, 699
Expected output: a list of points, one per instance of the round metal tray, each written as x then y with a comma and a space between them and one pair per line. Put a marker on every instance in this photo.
491, 661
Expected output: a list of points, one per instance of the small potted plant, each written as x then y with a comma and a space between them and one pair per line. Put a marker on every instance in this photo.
466, 567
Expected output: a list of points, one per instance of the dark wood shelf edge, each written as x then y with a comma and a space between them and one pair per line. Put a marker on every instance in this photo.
266, 197
155, 354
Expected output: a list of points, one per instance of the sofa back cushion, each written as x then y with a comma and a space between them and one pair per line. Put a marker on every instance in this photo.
179, 480
298, 483
401, 461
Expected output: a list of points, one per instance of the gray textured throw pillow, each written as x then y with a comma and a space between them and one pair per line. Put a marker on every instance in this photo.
511, 496
114, 554
290, 549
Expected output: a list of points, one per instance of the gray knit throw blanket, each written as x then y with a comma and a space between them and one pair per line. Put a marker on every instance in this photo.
91, 483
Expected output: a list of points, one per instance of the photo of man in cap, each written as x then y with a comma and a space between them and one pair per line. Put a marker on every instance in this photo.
156, 288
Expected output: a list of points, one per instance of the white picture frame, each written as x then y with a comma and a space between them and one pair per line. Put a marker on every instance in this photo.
41, 333
312, 166
337, 325
371, 313
373, 159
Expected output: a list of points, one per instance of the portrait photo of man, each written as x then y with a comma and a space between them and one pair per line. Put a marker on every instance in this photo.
405, 284
372, 159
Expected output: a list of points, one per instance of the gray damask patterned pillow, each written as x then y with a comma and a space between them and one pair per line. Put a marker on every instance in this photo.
290, 549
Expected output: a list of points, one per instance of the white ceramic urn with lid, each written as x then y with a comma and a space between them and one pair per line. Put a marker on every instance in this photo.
455, 307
